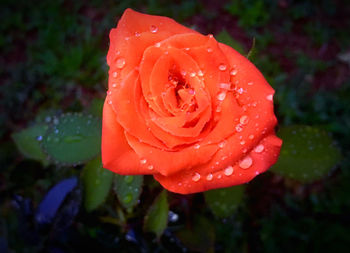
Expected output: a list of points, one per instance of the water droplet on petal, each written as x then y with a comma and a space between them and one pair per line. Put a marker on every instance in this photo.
251, 137
143, 161
137, 34
157, 44
153, 29
221, 96
246, 162
114, 85
150, 167
209, 177
242, 142
222, 67
269, 97
244, 119
200, 73
225, 86
259, 148
233, 72
120, 63
222, 144
110, 102
196, 177
209, 50
192, 74
239, 128
228, 171
115, 74
250, 83
197, 146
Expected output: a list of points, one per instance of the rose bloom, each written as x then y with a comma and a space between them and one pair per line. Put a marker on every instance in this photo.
180, 106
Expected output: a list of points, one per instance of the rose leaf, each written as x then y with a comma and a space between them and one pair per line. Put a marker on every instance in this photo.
224, 202
28, 142
97, 183
156, 219
307, 154
128, 190
73, 138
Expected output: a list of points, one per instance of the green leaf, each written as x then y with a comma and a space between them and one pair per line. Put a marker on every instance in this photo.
28, 142
128, 190
307, 154
156, 219
200, 237
73, 138
252, 51
97, 183
225, 38
96, 107
224, 202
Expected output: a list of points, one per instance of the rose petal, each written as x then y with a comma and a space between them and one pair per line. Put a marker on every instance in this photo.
198, 179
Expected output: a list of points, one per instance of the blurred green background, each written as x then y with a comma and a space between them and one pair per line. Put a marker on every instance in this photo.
56, 197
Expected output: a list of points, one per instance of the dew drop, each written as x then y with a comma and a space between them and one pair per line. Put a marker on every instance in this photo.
222, 144
200, 73
233, 72
251, 137
240, 90
192, 74
153, 29
110, 102
228, 171
222, 67
157, 44
197, 146
242, 142
221, 96
137, 34
143, 161
250, 83
209, 49
269, 97
260, 148
120, 63
115, 74
219, 176
239, 128
244, 119
128, 179
209, 177
196, 177
246, 162
127, 199
150, 167
225, 86
114, 85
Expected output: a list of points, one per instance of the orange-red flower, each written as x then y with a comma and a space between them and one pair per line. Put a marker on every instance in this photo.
192, 112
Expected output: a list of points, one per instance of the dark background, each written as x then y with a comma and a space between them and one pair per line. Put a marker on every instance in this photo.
53, 61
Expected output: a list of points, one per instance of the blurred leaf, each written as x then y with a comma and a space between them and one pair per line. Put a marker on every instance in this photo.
53, 199
225, 38
252, 52
96, 107
224, 202
156, 219
307, 154
128, 190
97, 183
200, 237
73, 138
28, 142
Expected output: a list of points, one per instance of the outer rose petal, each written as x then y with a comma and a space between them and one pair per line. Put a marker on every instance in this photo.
117, 155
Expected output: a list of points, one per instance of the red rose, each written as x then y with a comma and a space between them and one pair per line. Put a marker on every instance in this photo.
192, 112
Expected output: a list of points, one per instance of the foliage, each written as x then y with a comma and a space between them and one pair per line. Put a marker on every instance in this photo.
56, 197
